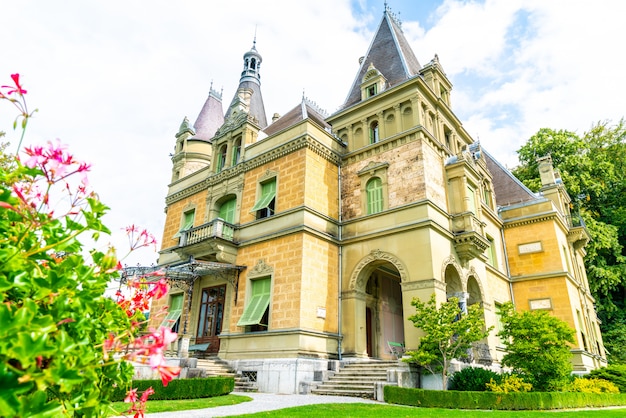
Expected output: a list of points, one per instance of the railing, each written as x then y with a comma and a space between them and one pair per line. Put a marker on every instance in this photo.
576, 220
217, 228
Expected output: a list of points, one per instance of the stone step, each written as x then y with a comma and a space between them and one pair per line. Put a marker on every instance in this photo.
369, 393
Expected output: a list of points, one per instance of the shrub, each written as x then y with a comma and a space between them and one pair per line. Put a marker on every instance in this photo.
473, 379
509, 383
613, 373
592, 385
183, 388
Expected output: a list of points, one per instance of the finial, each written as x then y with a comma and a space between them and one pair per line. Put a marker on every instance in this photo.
254, 41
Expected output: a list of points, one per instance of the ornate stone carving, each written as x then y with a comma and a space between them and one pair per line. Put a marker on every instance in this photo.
261, 269
358, 279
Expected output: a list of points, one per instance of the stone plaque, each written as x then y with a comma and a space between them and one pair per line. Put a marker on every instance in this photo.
540, 304
531, 247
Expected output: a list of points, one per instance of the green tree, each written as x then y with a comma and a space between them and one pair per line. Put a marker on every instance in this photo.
537, 347
592, 168
448, 334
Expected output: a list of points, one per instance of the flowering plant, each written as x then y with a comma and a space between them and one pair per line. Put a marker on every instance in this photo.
64, 345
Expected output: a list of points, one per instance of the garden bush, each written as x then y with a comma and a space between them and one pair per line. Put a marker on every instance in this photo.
613, 373
592, 385
500, 401
472, 379
182, 388
509, 383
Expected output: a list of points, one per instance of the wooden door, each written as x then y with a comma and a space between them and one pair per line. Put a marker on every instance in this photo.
210, 317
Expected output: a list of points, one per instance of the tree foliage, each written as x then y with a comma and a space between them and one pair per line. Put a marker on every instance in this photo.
593, 170
537, 347
448, 333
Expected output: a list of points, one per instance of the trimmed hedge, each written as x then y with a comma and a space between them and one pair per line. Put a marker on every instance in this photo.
181, 388
505, 401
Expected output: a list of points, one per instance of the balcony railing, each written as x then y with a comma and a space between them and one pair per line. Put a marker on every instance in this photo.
217, 228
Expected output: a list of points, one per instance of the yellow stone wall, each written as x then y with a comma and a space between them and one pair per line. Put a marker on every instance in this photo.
304, 278
289, 170
546, 260
174, 217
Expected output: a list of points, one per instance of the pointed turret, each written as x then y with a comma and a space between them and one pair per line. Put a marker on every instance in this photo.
389, 59
210, 118
248, 97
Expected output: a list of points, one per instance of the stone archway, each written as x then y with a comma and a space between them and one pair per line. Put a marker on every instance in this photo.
372, 306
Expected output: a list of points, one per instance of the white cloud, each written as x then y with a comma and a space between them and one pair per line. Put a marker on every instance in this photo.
114, 79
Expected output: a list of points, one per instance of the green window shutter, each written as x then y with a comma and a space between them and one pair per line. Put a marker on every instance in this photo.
174, 311
268, 193
374, 193
259, 302
188, 221
227, 211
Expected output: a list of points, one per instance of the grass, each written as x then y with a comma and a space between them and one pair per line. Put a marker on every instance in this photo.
393, 411
356, 410
183, 404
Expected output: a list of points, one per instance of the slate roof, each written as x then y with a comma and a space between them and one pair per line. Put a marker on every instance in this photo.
305, 110
507, 188
390, 53
210, 118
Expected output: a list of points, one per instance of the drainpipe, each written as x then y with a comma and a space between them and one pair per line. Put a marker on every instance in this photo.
506, 263
340, 336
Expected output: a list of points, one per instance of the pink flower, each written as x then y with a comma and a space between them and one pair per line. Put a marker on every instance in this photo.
145, 394
131, 397
18, 88
168, 373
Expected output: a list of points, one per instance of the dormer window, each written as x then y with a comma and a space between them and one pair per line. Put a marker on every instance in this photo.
372, 83
372, 90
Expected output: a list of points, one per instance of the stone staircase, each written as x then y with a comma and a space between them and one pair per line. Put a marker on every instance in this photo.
215, 366
355, 379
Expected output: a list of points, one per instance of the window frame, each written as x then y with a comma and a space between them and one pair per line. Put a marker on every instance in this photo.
258, 305
265, 205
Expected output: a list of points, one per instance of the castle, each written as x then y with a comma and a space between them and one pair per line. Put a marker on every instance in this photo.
302, 240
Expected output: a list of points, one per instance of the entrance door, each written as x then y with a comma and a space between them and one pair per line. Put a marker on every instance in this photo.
368, 328
210, 317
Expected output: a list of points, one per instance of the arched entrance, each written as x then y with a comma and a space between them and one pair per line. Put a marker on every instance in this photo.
375, 299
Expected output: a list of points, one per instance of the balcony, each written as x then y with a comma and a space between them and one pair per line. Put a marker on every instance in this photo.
211, 241
469, 236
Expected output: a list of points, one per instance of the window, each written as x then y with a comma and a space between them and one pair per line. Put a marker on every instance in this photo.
471, 199
221, 159
374, 132
372, 90
265, 206
188, 218
256, 313
491, 252
487, 196
227, 213
374, 190
172, 319
236, 151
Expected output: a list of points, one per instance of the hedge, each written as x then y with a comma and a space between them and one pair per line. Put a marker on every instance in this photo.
505, 401
181, 388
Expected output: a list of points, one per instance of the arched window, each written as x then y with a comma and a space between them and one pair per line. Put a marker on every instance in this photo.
236, 151
374, 132
374, 190
227, 213
221, 158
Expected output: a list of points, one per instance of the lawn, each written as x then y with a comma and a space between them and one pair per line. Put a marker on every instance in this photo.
393, 411
183, 404
362, 410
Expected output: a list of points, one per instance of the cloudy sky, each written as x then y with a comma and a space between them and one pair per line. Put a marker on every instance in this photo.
114, 79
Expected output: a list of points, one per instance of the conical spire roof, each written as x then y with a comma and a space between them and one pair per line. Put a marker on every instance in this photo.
249, 92
390, 53
210, 118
